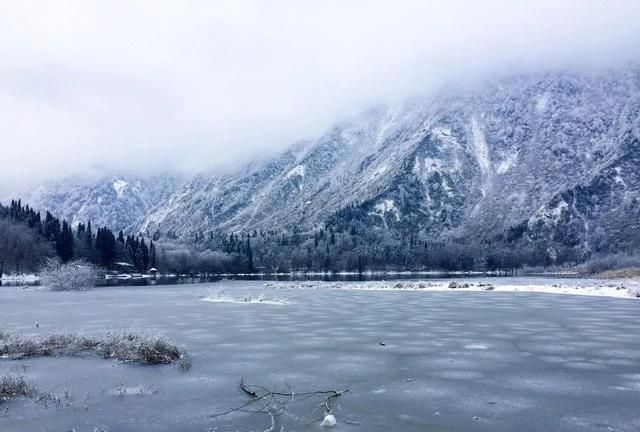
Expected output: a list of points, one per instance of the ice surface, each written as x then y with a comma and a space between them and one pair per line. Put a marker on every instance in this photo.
520, 361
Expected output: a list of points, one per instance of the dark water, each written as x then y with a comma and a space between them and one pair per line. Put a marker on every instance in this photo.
451, 361
181, 280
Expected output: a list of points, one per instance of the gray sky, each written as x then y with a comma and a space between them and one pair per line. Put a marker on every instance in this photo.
89, 86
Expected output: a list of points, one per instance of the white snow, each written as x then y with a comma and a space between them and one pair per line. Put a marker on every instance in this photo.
445, 135
299, 170
542, 102
587, 287
381, 170
387, 124
387, 205
19, 277
547, 213
219, 296
618, 178
328, 421
480, 146
508, 162
431, 165
119, 186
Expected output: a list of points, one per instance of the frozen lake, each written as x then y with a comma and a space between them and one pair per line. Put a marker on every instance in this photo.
451, 360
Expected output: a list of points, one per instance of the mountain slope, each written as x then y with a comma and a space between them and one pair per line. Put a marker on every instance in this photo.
598, 213
545, 155
463, 162
118, 202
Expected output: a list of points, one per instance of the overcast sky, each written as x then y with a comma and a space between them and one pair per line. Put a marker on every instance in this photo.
91, 86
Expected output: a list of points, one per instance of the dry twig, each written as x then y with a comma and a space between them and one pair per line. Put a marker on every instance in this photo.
275, 403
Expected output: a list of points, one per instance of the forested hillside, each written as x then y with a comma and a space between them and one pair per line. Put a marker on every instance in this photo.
26, 239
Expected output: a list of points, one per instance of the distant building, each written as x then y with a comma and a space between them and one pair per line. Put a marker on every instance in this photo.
124, 267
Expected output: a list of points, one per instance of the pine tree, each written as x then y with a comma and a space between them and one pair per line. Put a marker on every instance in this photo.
88, 240
152, 255
144, 256
249, 255
64, 243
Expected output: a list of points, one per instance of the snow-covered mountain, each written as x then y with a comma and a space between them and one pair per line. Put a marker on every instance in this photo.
118, 202
550, 154
464, 161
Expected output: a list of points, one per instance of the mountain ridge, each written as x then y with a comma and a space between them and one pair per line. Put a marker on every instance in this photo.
467, 163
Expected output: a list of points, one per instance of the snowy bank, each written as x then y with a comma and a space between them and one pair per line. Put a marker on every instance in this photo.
619, 289
219, 296
26, 278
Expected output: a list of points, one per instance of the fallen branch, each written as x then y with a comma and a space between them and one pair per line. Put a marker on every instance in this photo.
276, 403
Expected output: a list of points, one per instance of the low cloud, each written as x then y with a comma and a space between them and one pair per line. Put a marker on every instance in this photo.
150, 87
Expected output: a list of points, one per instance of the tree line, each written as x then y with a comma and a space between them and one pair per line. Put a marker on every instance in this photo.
347, 241
26, 239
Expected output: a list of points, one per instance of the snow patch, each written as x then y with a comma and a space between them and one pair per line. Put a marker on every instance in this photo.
623, 289
381, 170
387, 205
25, 278
219, 296
445, 135
508, 162
542, 103
297, 171
388, 124
550, 214
119, 186
618, 178
428, 166
328, 421
480, 147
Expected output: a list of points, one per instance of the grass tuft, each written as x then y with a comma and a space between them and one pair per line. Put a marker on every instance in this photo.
123, 346
14, 387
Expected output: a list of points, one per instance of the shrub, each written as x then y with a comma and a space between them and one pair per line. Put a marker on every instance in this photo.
14, 387
123, 346
74, 275
605, 263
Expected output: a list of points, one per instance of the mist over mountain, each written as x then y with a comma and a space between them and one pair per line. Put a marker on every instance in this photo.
546, 155
91, 89
116, 201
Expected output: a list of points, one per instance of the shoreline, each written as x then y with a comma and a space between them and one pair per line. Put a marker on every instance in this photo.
622, 289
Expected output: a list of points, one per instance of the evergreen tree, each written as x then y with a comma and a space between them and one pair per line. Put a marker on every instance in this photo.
88, 239
152, 255
249, 255
64, 243
144, 256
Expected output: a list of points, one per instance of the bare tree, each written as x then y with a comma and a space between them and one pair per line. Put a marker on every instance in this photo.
21, 249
